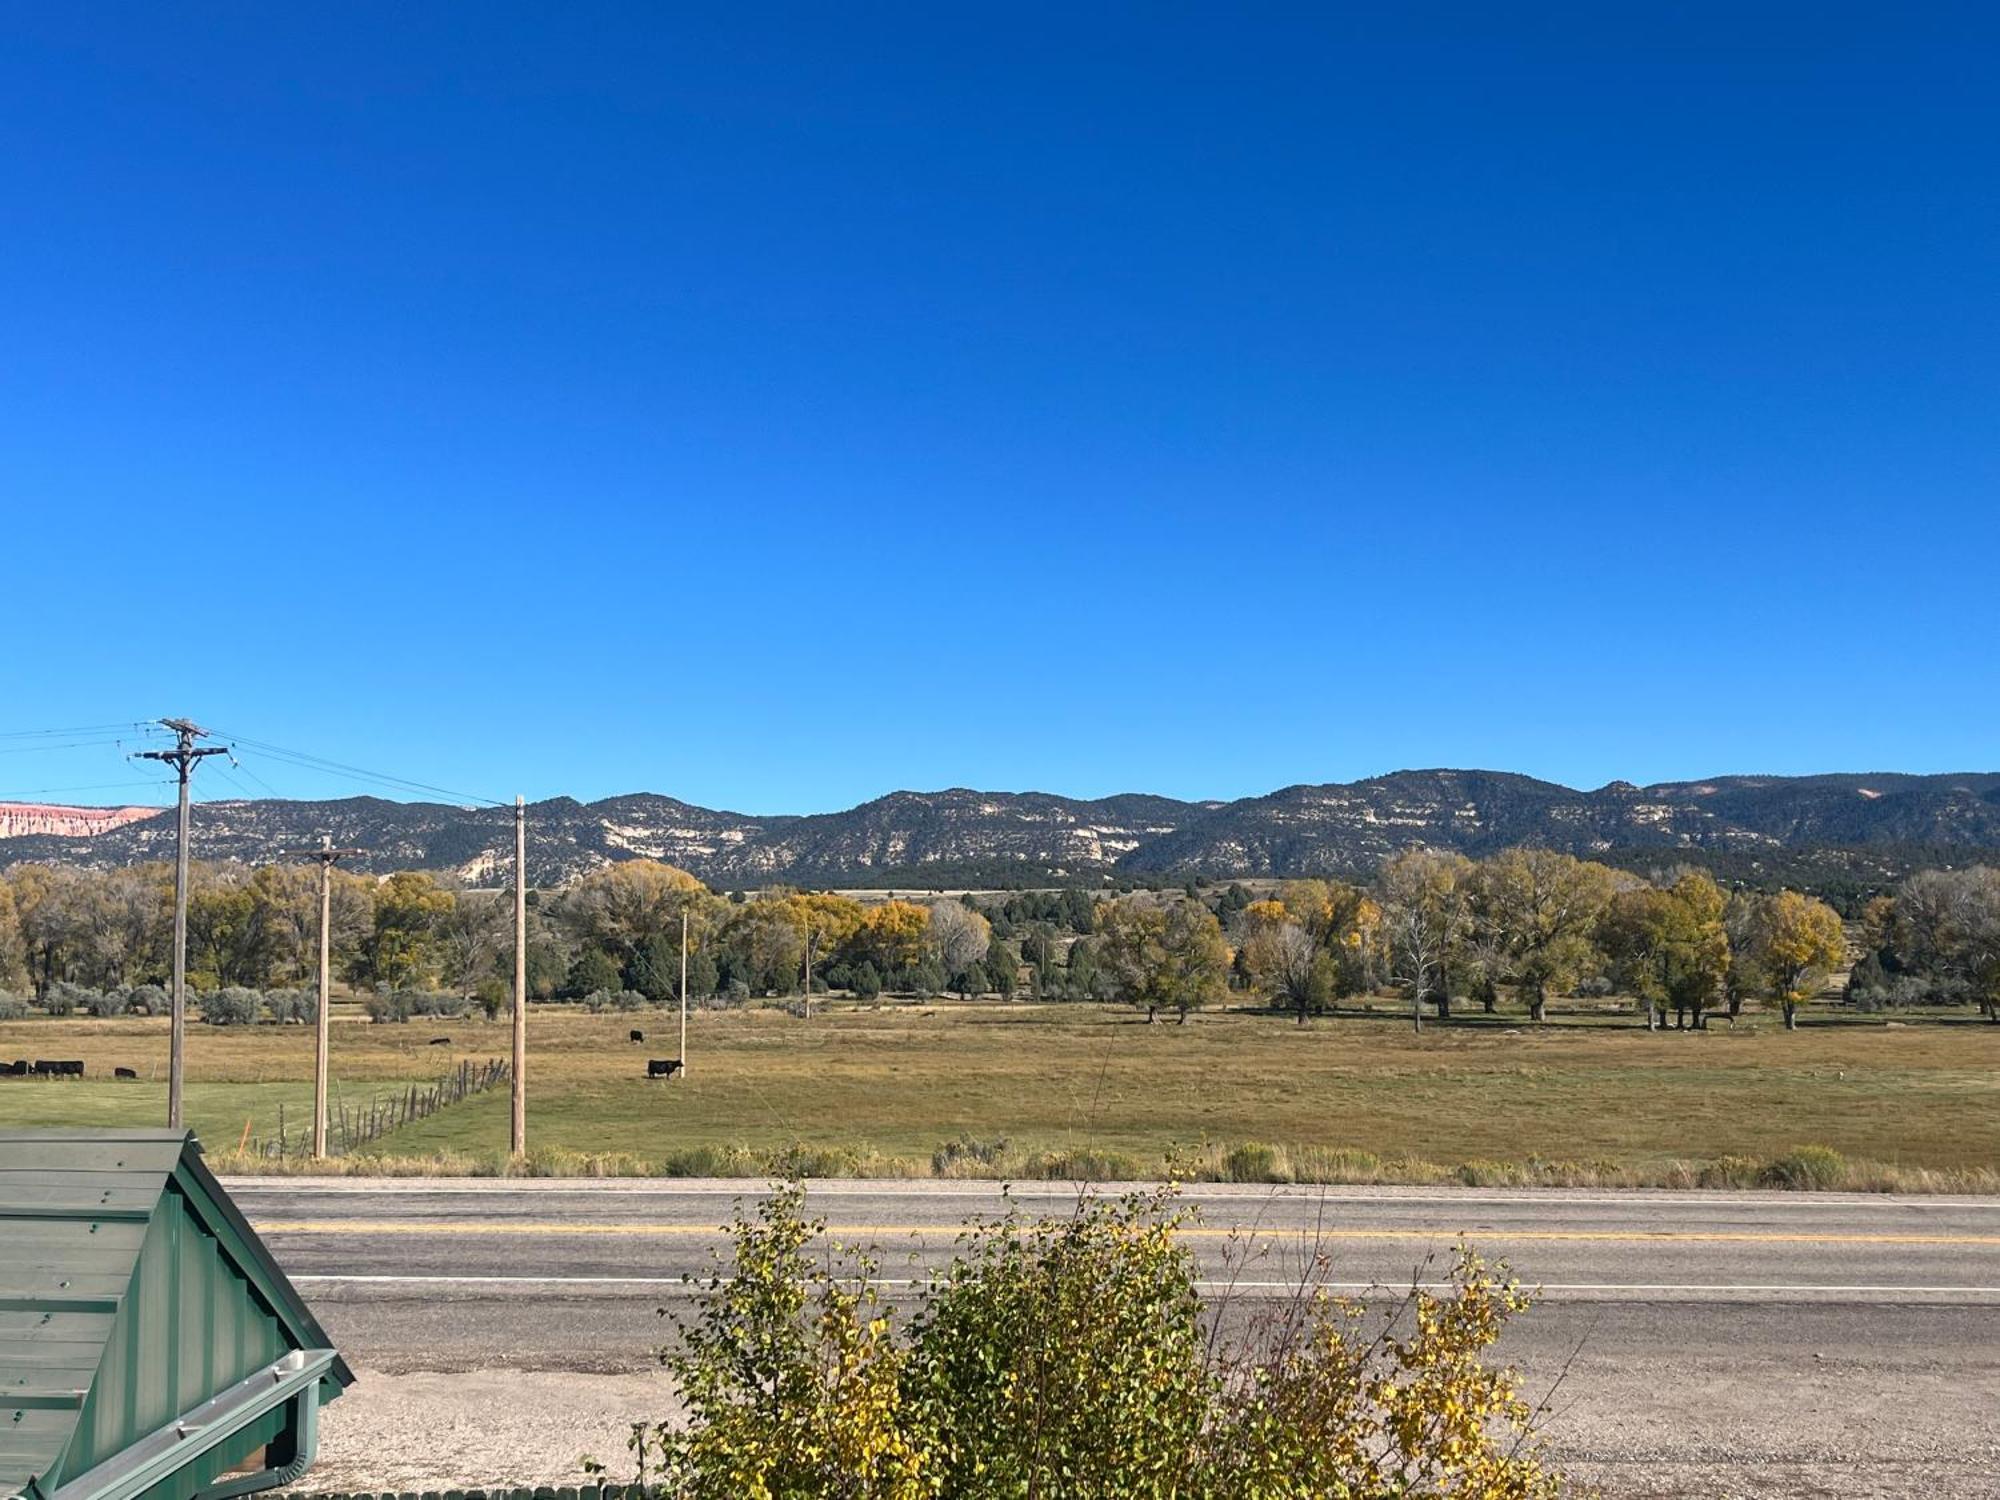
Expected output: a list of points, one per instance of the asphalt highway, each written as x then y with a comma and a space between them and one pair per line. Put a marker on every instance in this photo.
522, 1246
1688, 1338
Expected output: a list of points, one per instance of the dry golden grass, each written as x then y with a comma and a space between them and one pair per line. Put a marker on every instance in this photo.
1093, 1088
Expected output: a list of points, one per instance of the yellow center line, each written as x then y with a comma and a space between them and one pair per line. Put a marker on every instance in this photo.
560, 1228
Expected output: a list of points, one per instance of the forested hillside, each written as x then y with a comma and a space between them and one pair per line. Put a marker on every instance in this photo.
1865, 828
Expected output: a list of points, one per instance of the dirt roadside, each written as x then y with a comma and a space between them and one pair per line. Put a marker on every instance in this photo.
1840, 1433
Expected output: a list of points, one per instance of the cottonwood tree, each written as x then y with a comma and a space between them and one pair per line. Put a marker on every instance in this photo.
621, 906
1425, 914
765, 945
1669, 947
472, 936
401, 946
1796, 941
890, 936
1534, 915
12, 965
959, 937
1943, 926
1162, 952
1282, 957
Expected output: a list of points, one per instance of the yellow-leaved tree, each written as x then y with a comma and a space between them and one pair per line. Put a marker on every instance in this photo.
1797, 941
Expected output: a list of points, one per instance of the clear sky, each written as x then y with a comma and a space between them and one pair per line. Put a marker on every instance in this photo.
778, 406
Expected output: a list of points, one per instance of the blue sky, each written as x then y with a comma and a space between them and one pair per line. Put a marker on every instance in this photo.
777, 406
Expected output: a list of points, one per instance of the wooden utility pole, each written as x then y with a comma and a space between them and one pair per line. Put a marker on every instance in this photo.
519, 1134
328, 857
812, 942
684, 992
184, 757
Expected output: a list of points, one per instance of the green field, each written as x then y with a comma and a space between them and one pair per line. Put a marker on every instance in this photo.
881, 1089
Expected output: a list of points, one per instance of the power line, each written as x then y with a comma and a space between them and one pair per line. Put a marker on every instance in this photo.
247, 771
91, 786
305, 760
230, 776
47, 747
22, 734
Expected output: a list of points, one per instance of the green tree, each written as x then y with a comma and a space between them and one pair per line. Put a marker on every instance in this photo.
590, 971
1162, 952
1003, 970
1670, 947
401, 948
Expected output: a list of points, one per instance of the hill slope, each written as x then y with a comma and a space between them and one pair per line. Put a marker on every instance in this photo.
1334, 828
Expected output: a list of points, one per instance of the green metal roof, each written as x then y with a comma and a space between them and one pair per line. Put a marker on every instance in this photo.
134, 1295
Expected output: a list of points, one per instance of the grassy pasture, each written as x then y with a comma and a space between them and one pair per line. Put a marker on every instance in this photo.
898, 1081
235, 1075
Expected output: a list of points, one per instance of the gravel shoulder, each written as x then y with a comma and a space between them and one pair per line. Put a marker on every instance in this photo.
1658, 1402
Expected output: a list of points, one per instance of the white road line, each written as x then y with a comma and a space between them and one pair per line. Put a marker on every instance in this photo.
1549, 1286
1193, 1193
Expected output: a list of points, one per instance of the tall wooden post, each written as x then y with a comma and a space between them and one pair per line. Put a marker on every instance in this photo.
684, 992
519, 1135
327, 856
320, 1019
183, 758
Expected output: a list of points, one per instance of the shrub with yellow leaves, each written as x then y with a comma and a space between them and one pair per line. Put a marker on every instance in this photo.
1073, 1357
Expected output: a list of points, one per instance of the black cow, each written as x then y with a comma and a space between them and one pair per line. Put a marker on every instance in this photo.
638, 1036
58, 1069
440, 1041
123, 1073
18, 1067
663, 1067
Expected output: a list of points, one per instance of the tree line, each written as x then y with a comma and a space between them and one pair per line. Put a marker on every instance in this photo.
1439, 929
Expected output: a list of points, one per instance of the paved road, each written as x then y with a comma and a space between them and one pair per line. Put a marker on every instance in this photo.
1706, 1336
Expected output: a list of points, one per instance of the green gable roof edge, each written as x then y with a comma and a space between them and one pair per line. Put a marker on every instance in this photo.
84, 1214
214, 1207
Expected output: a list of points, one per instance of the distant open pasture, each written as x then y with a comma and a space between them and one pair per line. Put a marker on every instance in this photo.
887, 1089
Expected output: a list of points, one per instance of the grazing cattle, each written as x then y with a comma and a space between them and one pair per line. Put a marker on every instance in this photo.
440, 1041
123, 1073
663, 1067
18, 1067
58, 1069
638, 1036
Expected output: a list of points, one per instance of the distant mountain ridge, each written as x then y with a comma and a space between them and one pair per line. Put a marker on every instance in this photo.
1336, 828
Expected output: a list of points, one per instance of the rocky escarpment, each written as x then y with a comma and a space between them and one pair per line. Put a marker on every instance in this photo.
27, 819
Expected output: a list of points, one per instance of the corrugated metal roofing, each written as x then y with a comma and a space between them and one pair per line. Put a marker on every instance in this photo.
131, 1290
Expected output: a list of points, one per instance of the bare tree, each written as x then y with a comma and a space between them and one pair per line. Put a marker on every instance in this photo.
472, 938
958, 935
1425, 915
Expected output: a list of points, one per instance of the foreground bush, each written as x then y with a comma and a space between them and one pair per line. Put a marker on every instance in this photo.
1072, 1357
